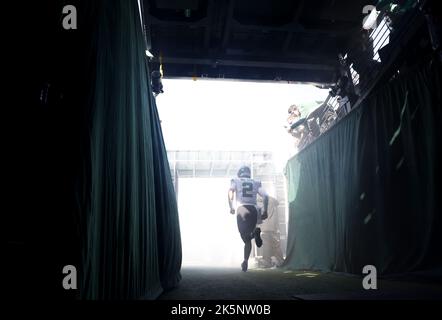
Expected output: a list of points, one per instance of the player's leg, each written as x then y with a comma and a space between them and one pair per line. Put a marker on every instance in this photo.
257, 236
247, 249
256, 233
241, 217
247, 218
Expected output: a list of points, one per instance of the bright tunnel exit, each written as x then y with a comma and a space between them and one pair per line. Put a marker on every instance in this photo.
211, 128
209, 232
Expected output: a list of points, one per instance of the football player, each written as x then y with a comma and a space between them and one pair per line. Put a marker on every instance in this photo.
246, 189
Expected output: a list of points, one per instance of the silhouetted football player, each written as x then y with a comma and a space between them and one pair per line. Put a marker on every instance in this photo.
246, 190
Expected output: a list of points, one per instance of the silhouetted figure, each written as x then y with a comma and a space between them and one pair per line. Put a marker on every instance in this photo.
157, 85
362, 58
246, 189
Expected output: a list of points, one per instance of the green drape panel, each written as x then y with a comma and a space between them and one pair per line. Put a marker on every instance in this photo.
169, 238
132, 245
367, 191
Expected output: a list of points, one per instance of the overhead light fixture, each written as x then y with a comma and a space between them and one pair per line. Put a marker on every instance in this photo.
370, 21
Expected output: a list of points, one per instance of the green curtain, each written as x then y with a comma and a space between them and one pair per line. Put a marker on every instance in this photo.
131, 236
366, 192
169, 237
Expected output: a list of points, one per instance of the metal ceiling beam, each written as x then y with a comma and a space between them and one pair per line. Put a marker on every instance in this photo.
262, 53
295, 28
248, 63
291, 27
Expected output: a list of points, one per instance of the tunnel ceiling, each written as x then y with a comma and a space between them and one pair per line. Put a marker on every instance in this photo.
250, 39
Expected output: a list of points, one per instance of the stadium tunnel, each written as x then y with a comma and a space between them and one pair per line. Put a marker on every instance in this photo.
92, 185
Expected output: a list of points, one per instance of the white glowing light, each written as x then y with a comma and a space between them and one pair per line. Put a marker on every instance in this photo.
149, 54
209, 233
232, 115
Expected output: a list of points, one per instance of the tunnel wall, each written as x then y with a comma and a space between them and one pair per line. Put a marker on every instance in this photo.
90, 180
367, 191
132, 240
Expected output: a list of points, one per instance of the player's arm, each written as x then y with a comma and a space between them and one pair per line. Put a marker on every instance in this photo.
231, 195
265, 198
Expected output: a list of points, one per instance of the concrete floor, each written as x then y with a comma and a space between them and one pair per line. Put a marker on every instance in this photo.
276, 284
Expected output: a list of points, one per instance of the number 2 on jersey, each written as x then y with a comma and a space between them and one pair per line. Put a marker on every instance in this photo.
247, 189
